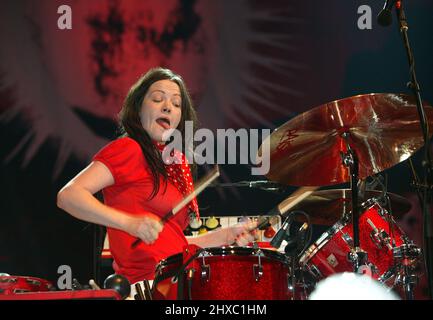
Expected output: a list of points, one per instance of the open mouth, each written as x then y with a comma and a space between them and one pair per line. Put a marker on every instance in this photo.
163, 122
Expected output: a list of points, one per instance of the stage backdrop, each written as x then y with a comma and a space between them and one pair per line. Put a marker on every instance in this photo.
248, 64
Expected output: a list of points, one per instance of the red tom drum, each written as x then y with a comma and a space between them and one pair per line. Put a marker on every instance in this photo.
378, 235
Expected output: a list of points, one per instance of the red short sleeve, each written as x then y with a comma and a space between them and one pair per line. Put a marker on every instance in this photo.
122, 157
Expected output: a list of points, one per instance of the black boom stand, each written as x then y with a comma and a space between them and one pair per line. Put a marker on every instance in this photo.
385, 18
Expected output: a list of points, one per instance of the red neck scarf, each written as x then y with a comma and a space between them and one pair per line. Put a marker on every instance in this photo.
180, 176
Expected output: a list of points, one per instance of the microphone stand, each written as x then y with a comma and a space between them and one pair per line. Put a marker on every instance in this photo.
293, 255
427, 163
294, 248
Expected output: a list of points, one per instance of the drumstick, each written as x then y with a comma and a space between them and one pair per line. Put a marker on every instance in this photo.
201, 185
285, 206
295, 198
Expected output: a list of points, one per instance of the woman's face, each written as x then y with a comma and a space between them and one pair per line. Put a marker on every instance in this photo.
161, 109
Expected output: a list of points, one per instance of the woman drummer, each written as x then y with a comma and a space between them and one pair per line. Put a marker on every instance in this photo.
138, 187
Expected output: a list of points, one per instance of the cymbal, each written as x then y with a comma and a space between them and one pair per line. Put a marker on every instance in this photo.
326, 207
382, 128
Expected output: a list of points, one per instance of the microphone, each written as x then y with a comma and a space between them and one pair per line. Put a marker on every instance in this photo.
282, 233
384, 18
297, 242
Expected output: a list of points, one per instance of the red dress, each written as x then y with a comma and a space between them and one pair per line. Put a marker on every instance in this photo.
130, 193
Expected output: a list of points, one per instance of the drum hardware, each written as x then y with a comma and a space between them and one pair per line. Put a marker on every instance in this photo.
189, 278
257, 268
140, 294
384, 213
388, 275
379, 237
315, 271
359, 260
407, 255
407, 251
371, 202
348, 239
9, 279
17, 291
147, 290
408, 279
205, 270
33, 282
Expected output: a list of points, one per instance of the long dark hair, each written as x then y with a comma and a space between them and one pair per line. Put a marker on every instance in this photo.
130, 124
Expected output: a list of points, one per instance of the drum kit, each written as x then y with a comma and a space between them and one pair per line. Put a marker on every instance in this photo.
351, 140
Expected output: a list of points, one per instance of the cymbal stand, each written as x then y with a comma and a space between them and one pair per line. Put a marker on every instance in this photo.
357, 256
407, 255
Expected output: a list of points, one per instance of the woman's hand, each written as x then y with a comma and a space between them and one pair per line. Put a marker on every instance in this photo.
146, 227
242, 233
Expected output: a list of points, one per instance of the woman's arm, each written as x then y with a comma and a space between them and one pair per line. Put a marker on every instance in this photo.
239, 234
76, 198
214, 238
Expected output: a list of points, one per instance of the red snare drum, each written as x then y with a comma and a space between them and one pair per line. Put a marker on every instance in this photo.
377, 237
226, 273
22, 284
